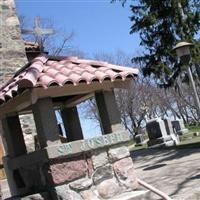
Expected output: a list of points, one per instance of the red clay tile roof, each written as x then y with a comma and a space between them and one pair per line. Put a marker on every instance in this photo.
46, 71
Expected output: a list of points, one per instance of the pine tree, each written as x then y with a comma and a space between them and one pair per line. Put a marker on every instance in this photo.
161, 24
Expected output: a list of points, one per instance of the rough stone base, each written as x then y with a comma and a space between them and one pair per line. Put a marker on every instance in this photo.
112, 174
109, 173
102, 169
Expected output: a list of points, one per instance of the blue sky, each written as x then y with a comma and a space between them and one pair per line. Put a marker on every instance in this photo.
99, 26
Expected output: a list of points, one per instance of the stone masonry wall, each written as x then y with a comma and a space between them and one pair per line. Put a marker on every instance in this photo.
13, 57
99, 168
12, 51
102, 174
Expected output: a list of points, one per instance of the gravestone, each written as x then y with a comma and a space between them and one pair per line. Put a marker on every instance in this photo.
157, 133
139, 139
179, 127
170, 131
156, 128
168, 126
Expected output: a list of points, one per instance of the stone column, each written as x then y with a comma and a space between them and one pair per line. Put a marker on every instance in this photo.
13, 136
72, 123
12, 53
46, 123
14, 146
108, 111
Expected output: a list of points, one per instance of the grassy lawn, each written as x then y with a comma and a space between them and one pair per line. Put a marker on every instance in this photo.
188, 140
193, 128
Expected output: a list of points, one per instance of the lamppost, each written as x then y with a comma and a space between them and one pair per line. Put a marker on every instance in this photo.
183, 52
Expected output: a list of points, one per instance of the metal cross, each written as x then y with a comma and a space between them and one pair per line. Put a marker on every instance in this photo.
38, 32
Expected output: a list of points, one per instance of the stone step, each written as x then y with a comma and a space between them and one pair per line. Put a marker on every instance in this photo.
134, 195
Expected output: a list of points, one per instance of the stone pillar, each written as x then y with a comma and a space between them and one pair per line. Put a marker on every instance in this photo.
72, 123
10, 178
46, 123
14, 145
108, 111
13, 136
12, 53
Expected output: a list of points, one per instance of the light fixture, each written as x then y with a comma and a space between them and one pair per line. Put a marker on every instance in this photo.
183, 51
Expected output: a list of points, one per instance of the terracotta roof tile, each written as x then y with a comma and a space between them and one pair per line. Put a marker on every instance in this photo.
46, 71
31, 45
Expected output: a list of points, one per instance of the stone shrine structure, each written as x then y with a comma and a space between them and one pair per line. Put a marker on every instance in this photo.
37, 164
98, 168
52, 166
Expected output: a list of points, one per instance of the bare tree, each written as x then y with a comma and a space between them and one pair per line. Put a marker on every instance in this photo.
144, 100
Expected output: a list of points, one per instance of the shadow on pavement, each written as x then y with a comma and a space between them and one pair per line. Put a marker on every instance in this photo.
195, 177
158, 158
166, 154
154, 167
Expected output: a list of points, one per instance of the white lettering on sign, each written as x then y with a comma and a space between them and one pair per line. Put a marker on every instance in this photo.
90, 144
65, 148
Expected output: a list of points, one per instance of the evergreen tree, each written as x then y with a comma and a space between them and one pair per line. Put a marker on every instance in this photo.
161, 24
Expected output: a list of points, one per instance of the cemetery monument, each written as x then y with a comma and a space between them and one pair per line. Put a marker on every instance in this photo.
161, 133
179, 127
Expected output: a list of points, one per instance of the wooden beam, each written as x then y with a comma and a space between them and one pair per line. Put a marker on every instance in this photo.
81, 88
70, 102
18, 103
77, 99
30, 96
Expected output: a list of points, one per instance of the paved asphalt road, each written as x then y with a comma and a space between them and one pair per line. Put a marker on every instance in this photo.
175, 172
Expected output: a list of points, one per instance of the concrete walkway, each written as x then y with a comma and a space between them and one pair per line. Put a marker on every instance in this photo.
175, 172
